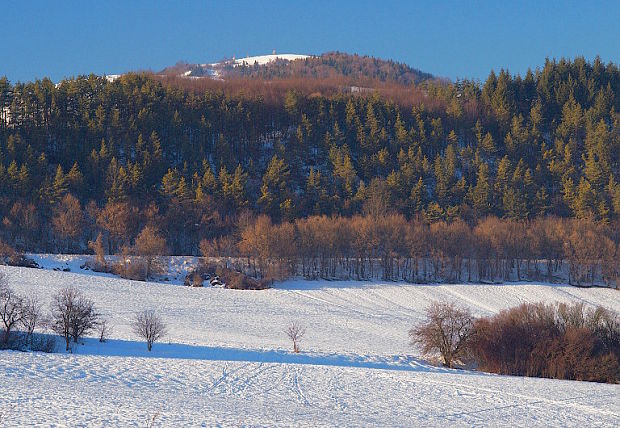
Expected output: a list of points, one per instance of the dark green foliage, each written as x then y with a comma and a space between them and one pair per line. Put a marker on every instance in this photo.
514, 147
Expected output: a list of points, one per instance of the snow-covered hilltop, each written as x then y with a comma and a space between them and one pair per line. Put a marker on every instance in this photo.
218, 70
266, 59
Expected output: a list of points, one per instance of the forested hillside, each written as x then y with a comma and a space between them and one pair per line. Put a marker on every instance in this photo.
359, 69
353, 69
199, 160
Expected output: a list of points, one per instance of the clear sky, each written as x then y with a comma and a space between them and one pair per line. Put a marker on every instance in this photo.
447, 38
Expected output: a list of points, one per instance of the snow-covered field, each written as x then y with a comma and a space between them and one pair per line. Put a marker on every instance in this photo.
226, 360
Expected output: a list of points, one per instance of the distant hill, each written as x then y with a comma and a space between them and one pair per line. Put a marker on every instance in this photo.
355, 68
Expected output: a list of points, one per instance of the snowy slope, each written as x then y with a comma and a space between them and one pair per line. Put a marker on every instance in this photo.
93, 391
226, 360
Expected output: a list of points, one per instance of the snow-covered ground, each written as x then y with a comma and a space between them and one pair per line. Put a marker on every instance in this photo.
226, 360
266, 59
176, 266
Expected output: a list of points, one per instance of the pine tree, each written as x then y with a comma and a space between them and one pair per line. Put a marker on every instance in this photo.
584, 205
208, 181
613, 190
488, 145
274, 190
482, 197
170, 184
59, 186
75, 179
417, 197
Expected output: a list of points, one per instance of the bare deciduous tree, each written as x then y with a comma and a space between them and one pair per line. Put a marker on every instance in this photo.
295, 332
149, 326
104, 330
31, 315
99, 250
447, 330
73, 315
150, 245
68, 220
10, 308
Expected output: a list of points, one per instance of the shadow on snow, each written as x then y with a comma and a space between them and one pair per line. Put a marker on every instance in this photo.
125, 348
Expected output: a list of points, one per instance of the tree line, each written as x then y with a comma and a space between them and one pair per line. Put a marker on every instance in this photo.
72, 316
580, 251
193, 160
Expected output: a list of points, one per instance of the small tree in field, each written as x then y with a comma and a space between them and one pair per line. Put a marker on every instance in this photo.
31, 315
447, 330
295, 332
150, 327
73, 315
11, 304
104, 331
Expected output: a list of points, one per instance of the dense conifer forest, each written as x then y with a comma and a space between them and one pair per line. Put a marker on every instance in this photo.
199, 160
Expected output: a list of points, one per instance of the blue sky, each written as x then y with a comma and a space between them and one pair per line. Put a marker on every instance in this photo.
447, 38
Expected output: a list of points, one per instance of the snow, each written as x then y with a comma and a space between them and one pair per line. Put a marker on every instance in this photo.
227, 361
112, 77
266, 59
178, 266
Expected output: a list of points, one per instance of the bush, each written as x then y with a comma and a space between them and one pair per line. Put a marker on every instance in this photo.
43, 343
134, 269
239, 281
150, 246
7, 253
10, 256
195, 278
556, 341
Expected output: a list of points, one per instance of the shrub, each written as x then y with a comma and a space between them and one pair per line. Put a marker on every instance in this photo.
194, 278
556, 341
239, 281
99, 264
134, 269
10, 256
43, 343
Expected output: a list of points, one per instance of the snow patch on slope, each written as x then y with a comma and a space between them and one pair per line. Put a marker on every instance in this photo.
266, 59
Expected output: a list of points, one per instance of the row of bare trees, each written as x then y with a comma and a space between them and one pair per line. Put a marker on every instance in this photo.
583, 252
72, 316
